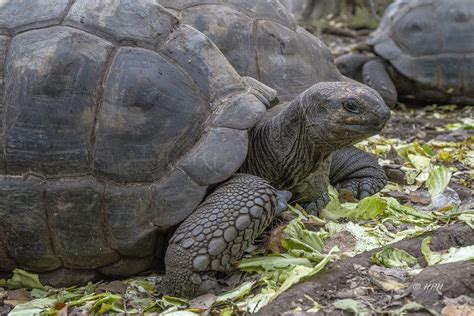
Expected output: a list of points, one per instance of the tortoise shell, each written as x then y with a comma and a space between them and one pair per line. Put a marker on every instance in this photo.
261, 40
115, 118
430, 42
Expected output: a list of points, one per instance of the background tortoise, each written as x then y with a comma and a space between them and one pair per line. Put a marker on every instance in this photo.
119, 122
425, 52
262, 40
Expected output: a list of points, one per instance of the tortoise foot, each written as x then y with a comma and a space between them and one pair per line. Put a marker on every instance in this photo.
215, 236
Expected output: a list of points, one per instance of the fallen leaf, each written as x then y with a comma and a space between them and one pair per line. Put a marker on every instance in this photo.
438, 180
271, 262
274, 241
352, 306
393, 257
453, 255
236, 293
22, 279
203, 302
421, 163
117, 287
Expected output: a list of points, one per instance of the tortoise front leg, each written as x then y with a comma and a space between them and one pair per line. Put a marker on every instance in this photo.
215, 236
357, 171
375, 75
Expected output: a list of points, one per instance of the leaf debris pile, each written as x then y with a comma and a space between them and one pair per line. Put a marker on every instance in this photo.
430, 186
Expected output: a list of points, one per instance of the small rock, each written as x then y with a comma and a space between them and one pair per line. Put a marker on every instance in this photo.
400, 196
203, 302
3, 296
116, 287
420, 197
395, 175
344, 240
19, 295
442, 202
458, 310
454, 136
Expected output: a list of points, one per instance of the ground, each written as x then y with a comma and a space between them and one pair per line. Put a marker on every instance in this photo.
416, 144
409, 249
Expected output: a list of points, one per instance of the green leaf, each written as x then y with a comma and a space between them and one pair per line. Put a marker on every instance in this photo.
107, 303
22, 279
430, 257
467, 218
413, 149
334, 210
295, 236
352, 306
313, 256
176, 301
467, 124
34, 307
300, 272
271, 262
236, 293
368, 208
408, 214
438, 180
143, 285
412, 307
180, 313
421, 163
458, 254
105, 308
254, 303
393, 258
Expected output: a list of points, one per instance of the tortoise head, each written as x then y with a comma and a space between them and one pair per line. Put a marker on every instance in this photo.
339, 114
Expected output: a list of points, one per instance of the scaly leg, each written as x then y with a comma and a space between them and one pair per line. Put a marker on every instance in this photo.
375, 75
357, 171
215, 236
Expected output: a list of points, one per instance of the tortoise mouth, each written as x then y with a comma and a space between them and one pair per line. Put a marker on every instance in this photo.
364, 129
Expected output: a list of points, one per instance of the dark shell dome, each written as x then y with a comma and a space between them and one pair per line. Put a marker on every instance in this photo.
115, 118
261, 40
430, 42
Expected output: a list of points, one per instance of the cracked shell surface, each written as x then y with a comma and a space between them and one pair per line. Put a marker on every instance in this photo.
106, 111
437, 55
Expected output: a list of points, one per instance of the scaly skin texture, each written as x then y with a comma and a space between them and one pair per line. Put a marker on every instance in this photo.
215, 236
292, 146
357, 171
291, 149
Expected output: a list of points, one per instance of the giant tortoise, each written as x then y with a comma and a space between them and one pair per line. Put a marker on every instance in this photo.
262, 40
424, 52
120, 125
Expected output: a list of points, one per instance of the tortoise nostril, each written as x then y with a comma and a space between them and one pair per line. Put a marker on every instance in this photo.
381, 125
383, 112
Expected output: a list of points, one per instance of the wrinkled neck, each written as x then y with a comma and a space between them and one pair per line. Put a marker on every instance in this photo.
281, 149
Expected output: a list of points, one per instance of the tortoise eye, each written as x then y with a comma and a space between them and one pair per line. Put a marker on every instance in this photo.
352, 106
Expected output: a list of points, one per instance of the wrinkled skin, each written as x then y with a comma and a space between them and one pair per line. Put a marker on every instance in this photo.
113, 134
290, 148
261, 40
301, 136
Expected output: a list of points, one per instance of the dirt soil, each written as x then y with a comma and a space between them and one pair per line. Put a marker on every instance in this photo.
447, 288
380, 289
